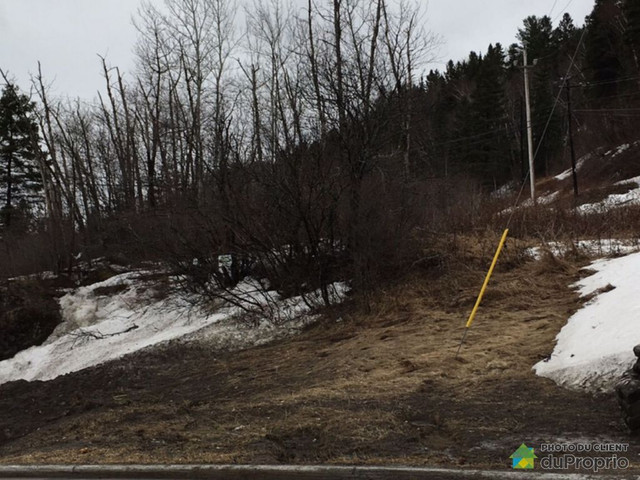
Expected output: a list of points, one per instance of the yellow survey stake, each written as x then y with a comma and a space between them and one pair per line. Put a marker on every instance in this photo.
486, 280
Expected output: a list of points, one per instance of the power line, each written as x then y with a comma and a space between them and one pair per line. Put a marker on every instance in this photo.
484, 136
506, 231
563, 11
573, 59
607, 110
477, 136
613, 114
553, 8
617, 95
608, 82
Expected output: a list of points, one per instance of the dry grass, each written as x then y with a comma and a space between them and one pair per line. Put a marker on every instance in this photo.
381, 385
377, 386
377, 381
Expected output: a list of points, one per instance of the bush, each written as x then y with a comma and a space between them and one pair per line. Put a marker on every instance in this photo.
28, 315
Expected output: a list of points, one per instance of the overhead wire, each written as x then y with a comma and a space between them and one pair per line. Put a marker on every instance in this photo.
607, 82
553, 7
607, 110
563, 11
544, 132
513, 209
493, 132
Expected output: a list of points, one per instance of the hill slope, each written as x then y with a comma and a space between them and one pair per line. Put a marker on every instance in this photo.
382, 387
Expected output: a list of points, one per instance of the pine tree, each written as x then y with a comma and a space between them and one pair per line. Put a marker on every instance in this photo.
441, 104
461, 80
20, 180
604, 48
631, 11
566, 30
567, 38
538, 36
493, 152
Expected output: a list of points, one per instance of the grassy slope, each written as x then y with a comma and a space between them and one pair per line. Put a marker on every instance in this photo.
379, 386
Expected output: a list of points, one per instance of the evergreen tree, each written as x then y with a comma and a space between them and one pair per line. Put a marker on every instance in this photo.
440, 105
565, 31
493, 152
631, 11
567, 38
604, 48
20, 178
461, 80
538, 36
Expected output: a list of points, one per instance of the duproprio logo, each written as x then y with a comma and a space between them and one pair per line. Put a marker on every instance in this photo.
523, 458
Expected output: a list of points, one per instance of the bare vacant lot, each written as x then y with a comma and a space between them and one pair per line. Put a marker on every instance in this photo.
365, 385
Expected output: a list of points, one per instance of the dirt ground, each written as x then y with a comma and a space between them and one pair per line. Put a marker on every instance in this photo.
381, 387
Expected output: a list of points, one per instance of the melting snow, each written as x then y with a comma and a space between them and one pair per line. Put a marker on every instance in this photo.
618, 150
541, 200
124, 314
632, 197
595, 347
567, 173
591, 248
635, 180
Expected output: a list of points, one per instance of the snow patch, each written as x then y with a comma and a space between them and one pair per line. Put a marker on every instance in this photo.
590, 248
618, 150
125, 314
616, 200
567, 173
505, 190
596, 345
628, 181
541, 200
546, 199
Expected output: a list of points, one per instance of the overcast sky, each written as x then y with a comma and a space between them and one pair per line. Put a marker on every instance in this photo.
67, 35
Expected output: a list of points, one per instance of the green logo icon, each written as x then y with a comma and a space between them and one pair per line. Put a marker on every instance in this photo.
523, 458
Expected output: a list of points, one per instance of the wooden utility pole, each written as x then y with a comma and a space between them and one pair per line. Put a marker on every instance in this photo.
523, 133
573, 153
532, 179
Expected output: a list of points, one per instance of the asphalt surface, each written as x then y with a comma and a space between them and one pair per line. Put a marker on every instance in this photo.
280, 472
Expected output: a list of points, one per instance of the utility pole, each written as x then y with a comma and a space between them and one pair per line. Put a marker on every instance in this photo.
523, 133
573, 153
532, 179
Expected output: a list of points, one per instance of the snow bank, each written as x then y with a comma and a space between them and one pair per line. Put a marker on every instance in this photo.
567, 173
595, 347
592, 248
124, 314
616, 200
541, 200
628, 181
618, 150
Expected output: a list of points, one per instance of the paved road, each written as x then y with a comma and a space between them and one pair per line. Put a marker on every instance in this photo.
265, 472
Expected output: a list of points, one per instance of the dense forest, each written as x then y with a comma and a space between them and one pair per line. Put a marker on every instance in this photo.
308, 146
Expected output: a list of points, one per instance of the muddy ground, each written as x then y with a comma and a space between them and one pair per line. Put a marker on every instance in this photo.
378, 387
